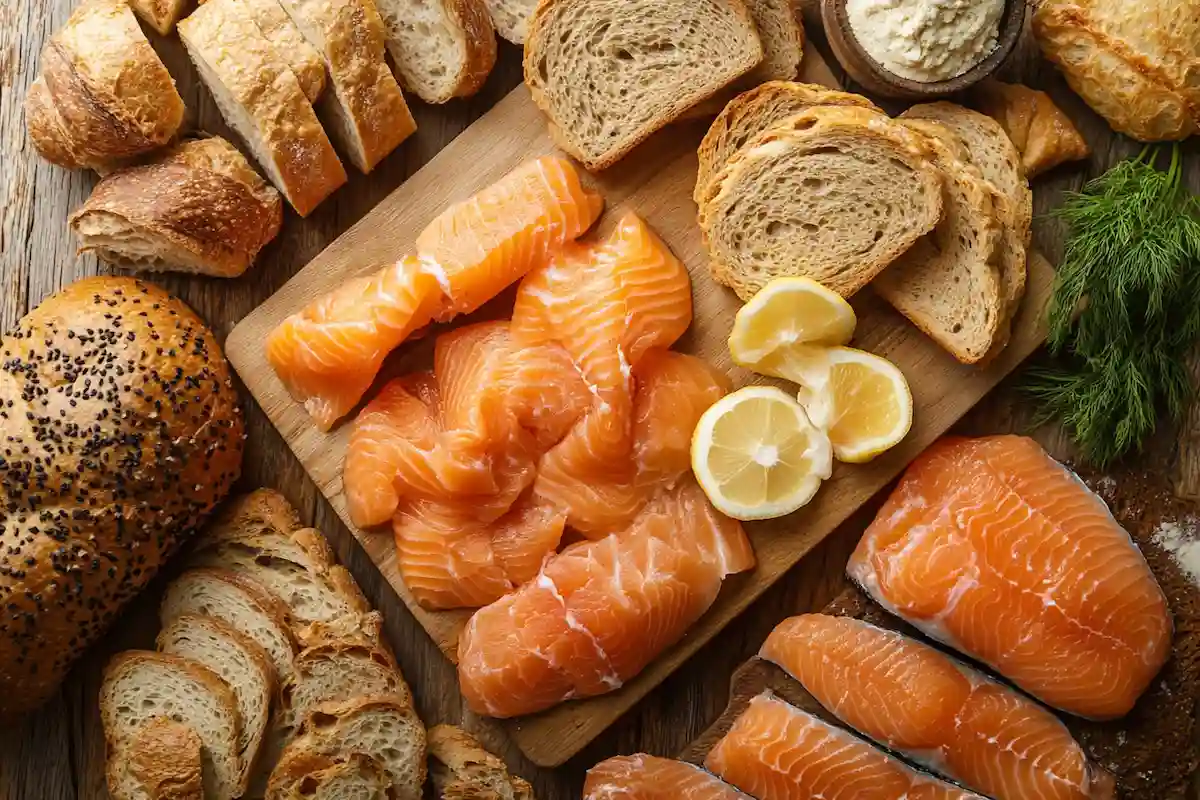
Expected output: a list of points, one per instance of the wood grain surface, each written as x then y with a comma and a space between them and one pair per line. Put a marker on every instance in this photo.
508, 135
57, 753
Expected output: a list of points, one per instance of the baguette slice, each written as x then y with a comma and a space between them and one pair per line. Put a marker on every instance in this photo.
289, 43
442, 49
164, 761
835, 194
140, 687
240, 662
949, 283
366, 111
338, 670
608, 73
511, 18
160, 14
462, 769
752, 112
310, 776
201, 208
261, 99
241, 603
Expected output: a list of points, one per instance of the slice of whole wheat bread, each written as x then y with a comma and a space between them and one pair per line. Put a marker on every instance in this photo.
833, 193
608, 73
461, 769
752, 112
442, 49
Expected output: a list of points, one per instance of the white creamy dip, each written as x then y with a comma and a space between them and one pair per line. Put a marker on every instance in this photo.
926, 40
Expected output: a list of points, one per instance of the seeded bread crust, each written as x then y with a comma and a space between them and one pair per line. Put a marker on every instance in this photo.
100, 358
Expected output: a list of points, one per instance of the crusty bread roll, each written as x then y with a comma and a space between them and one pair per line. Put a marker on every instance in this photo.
200, 208
103, 96
123, 433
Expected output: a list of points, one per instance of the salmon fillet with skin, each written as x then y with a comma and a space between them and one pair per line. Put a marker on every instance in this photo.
479, 246
944, 715
994, 548
643, 777
775, 751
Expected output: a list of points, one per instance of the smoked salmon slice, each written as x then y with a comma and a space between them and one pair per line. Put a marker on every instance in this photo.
994, 548
643, 777
944, 715
775, 751
600, 611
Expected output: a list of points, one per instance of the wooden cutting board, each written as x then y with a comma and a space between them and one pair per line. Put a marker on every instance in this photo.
657, 183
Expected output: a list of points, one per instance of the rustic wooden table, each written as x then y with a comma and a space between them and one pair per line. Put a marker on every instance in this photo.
58, 752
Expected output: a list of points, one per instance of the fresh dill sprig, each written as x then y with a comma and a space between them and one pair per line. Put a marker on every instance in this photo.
1125, 311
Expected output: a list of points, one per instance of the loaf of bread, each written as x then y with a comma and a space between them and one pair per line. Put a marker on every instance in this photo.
200, 208
103, 96
1044, 135
160, 14
442, 49
123, 433
462, 769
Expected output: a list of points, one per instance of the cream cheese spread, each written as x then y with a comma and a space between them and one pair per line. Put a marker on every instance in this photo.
926, 40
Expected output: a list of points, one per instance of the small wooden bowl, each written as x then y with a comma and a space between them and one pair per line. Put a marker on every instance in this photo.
878, 80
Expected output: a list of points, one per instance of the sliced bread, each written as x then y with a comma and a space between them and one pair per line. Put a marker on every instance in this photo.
289, 43
511, 18
246, 606
338, 670
140, 687
365, 110
310, 776
383, 728
164, 762
609, 73
240, 662
752, 112
261, 98
461, 769
949, 283
834, 194
442, 49
161, 15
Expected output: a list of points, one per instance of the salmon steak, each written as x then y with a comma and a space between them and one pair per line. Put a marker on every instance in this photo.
775, 751
947, 717
643, 777
994, 548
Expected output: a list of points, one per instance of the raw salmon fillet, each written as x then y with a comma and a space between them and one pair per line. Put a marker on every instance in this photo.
643, 777
775, 751
994, 548
478, 247
944, 715
600, 611
329, 354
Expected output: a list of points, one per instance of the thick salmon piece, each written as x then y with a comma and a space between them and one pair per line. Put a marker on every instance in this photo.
643, 777
946, 716
994, 548
775, 751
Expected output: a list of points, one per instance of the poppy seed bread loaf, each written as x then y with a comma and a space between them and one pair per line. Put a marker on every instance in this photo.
121, 432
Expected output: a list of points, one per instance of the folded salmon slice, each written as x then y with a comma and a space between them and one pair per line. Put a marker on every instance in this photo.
944, 715
643, 777
775, 751
994, 548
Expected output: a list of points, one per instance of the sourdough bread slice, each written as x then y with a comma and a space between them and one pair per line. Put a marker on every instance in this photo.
240, 662
511, 18
261, 98
289, 43
461, 769
140, 687
835, 194
609, 73
949, 283
310, 776
241, 603
442, 49
384, 728
365, 110
164, 761
752, 112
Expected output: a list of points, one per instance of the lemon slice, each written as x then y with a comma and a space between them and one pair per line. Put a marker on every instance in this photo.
757, 455
861, 400
788, 312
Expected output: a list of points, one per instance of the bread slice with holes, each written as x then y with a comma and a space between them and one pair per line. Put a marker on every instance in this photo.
511, 18
140, 687
461, 769
442, 49
835, 194
240, 662
949, 283
752, 112
609, 73
338, 670
311, 776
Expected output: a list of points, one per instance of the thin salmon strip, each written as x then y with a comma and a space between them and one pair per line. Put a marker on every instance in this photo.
775, 751
643, 777
946, 716
478, 247
994, 548
328, 354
